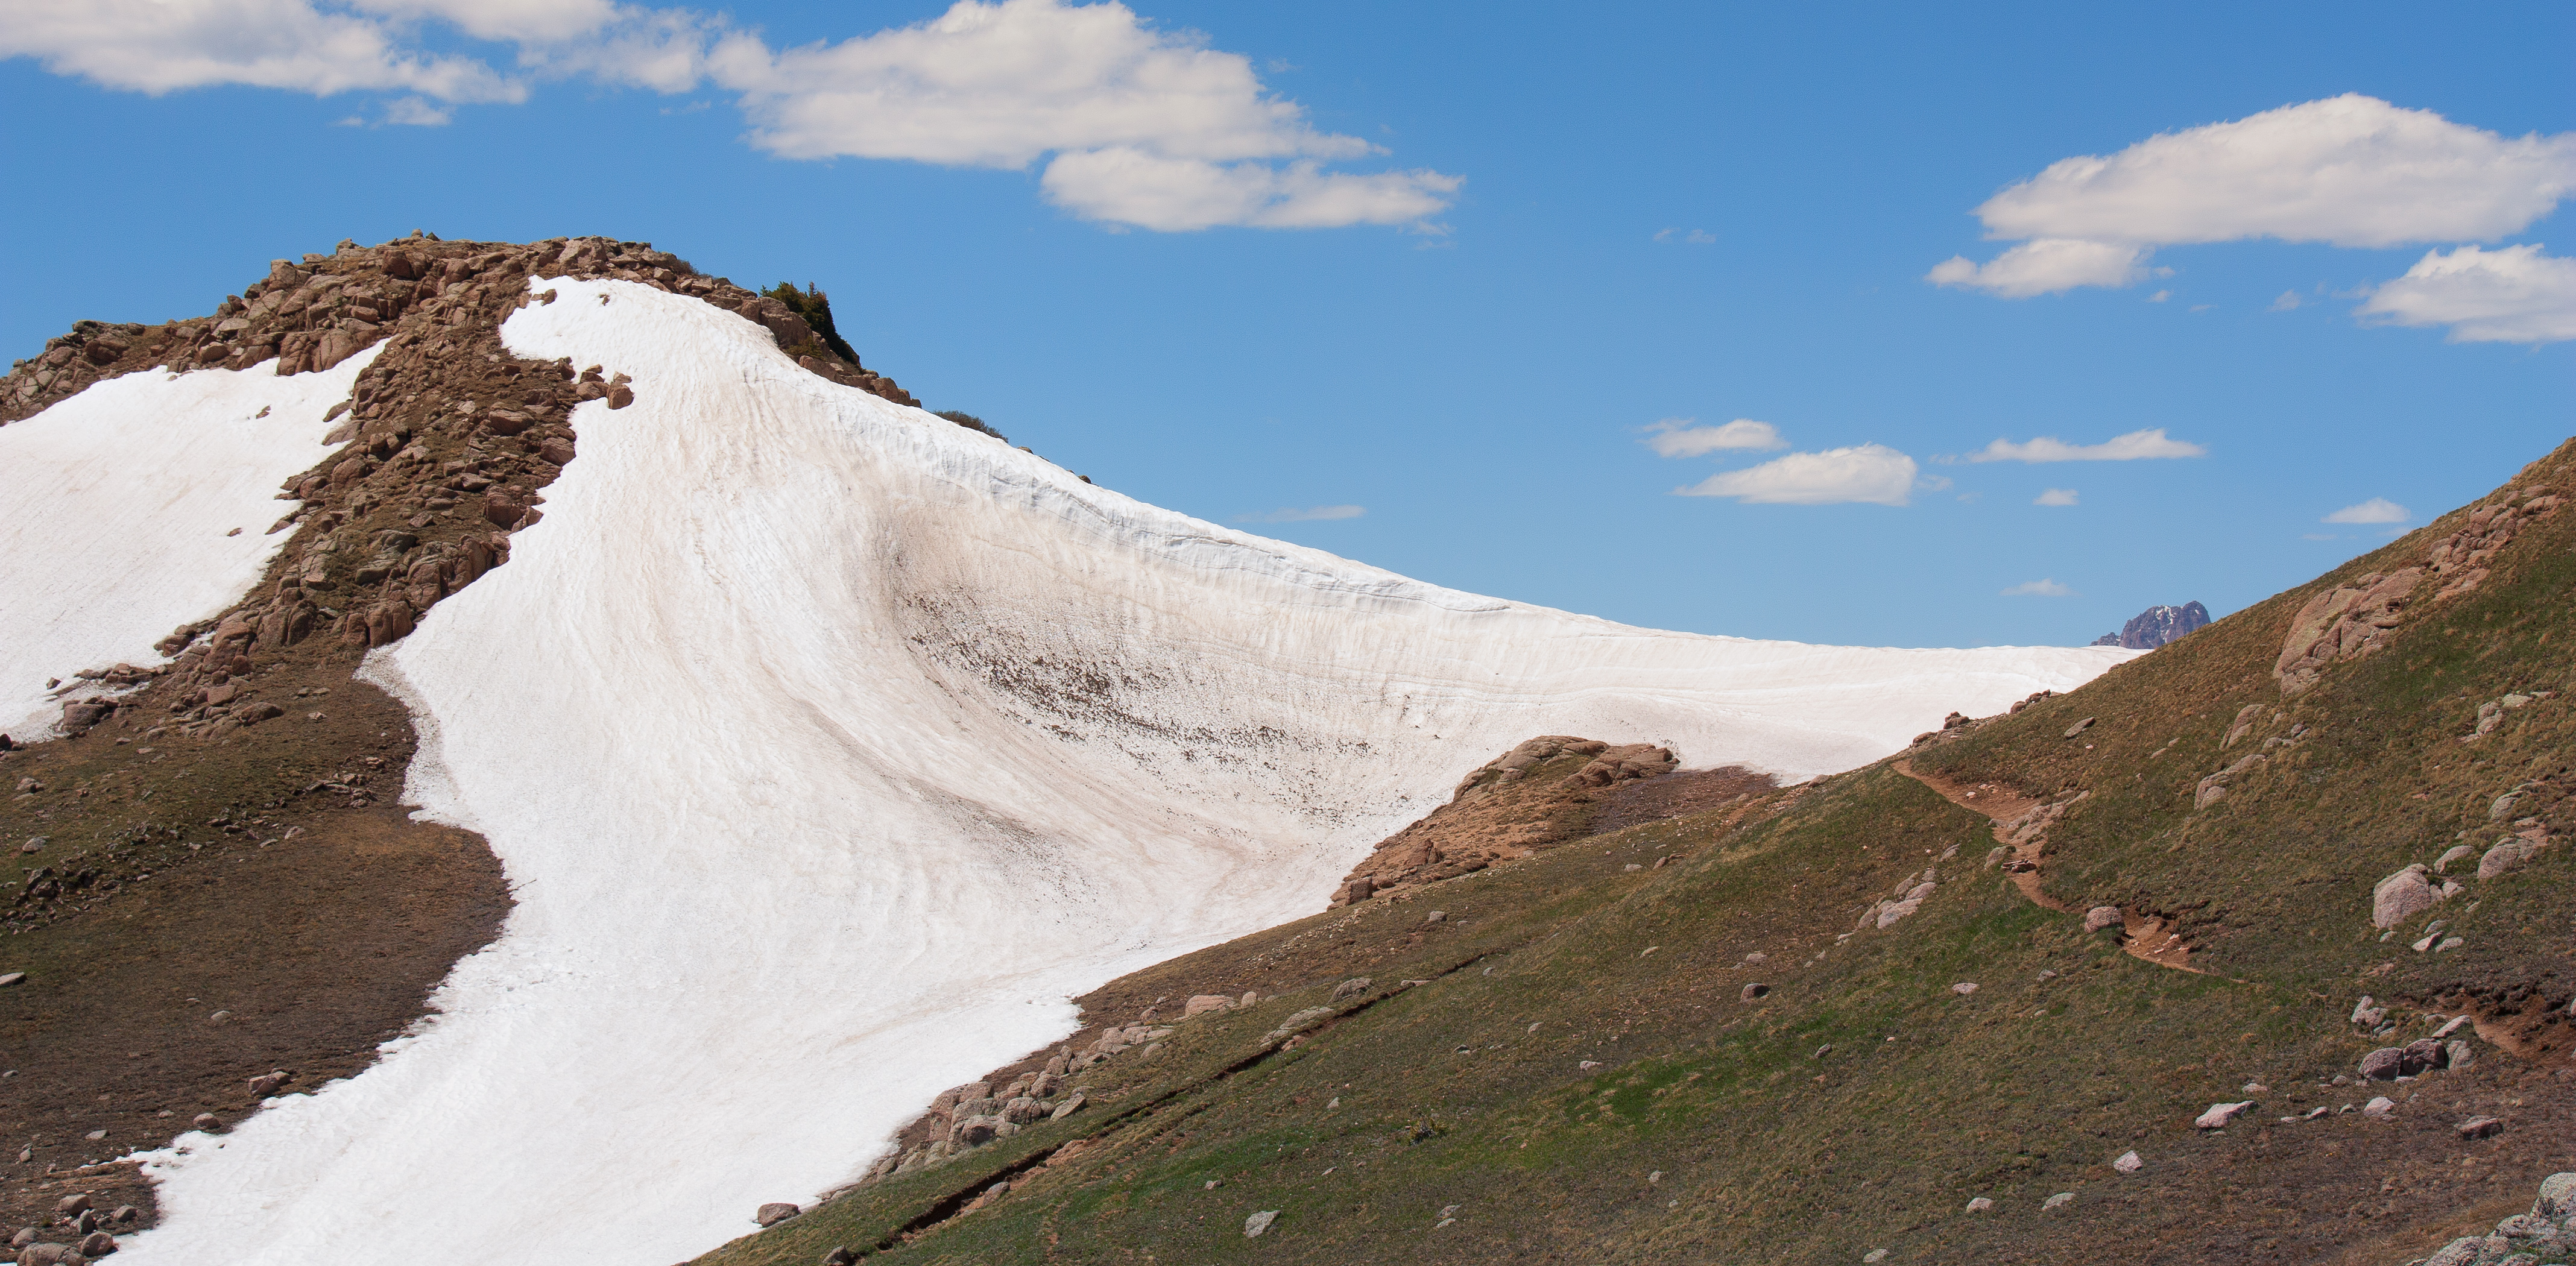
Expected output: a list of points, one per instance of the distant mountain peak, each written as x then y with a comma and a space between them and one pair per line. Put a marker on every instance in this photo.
2156, 626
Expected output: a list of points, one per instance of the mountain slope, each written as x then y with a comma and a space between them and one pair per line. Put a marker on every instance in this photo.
1799, 1044
829, 745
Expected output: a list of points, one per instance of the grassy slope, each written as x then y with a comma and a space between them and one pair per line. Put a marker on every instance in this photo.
1721, 1130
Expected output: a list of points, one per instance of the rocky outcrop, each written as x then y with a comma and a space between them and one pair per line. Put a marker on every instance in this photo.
1528, 798
2157, 626
2343, 623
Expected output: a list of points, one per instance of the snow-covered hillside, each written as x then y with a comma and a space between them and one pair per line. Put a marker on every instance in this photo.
138, 505
829, 746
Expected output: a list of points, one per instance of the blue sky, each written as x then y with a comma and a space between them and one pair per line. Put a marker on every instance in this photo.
1453, 265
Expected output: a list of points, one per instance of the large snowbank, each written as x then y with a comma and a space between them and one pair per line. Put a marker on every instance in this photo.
117, 508
829, 746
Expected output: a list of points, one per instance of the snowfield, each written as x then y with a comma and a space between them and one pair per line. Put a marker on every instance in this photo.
830, 746
115, 512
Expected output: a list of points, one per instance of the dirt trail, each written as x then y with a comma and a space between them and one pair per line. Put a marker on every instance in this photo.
2142, 936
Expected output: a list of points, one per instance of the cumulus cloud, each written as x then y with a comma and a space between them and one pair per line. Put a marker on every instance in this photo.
2135, 445
2044, 266
1872, 473
2041, 588
1677, 437
1313, 514
2513, 295
1134, 124
2375, 510
161, 46
2349, 171
2055, 497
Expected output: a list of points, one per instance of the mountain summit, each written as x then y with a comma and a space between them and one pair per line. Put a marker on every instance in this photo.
2157, 626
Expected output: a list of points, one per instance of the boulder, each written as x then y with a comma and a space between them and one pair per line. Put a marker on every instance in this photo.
1351, 988
1259, 1222
2129, 1163
2420, 1055
267, 1084
1200, 1004
2557, 1197
775, 1212
2400, 897
2100, 917
2505, 858
2458, 852
2383, 1064
2479, 1128
51, 1255
2379, 1107
97, 1244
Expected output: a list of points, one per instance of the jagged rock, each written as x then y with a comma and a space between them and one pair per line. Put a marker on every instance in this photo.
2220, 1114
2400, 897
775, 1212
1259, 1222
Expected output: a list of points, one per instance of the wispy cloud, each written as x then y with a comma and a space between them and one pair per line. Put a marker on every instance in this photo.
2375, 510
1695, 237
1681, 437
1313, 514
1872, 473
2134, 446
2288, 300
2056, 497
2042, 588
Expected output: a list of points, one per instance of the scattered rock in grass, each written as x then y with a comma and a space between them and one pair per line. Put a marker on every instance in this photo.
2458, 1053
2383, 1064
1351, 988
2058, 1201
10, 978
1874, 1255
1201, 1004
2458, 852
1980, 1205
1587, 1065
2128, 1163
1299, 1022
2456, 1024
1259, 1222
840, 1257
1067, 1108
2078, 728
72, 1205
2220, 1114
2479, 1128
2379, 1107
266, 1084
1964, 988
2100, 917
2400, 897
775, 1212
1753, 991
97, 1244
1436, 916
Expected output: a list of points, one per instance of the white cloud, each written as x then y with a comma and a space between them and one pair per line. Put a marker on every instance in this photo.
2375, 510
1135, 125
2350, 171
2042, 588
1871, 473
417, 112
1180, 194
1148, 127
2288, 300
512, 20
1313, 515
160, 46
2160, 296
2056, 497
1696, 237
1676, 437
2133, 446
2044, 266
2513, 295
